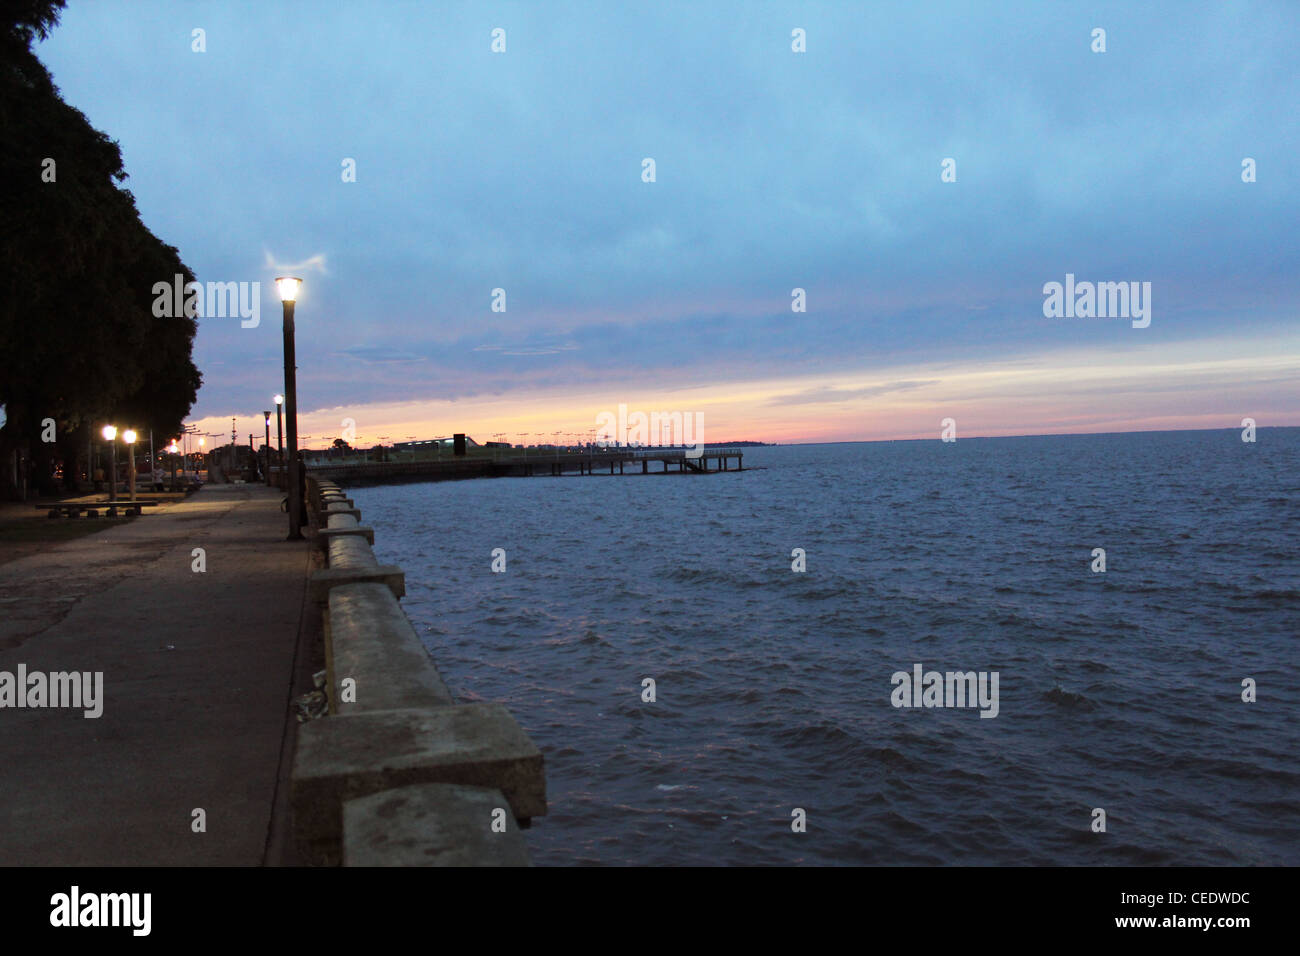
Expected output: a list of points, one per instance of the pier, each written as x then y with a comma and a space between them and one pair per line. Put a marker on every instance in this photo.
527, 463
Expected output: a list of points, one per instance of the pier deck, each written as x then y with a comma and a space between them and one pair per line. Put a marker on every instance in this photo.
524, 463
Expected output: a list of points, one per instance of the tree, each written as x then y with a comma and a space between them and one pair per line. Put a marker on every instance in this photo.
77, 268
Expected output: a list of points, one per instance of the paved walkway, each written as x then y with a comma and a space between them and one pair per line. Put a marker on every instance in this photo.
198, 670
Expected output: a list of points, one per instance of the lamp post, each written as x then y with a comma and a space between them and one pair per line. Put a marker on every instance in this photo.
266, 447
279, 433
110, 436
128, 436
288, 287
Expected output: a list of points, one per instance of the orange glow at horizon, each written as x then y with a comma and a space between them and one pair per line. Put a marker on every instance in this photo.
1205, 384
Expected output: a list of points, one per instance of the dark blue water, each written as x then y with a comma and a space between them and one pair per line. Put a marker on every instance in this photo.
1119, 691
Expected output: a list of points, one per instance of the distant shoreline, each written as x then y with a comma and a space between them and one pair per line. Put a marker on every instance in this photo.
1150, 431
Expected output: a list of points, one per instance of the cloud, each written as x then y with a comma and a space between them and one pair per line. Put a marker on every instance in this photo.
829, 394
526, 349
378, 353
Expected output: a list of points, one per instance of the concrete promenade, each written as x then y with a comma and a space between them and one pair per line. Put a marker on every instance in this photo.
198, 674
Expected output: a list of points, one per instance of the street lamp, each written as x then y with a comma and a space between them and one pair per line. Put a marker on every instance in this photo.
110, 433
279, 434
266, 448
128, 436
288, 287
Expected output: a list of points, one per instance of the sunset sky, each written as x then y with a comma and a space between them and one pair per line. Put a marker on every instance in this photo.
775, 170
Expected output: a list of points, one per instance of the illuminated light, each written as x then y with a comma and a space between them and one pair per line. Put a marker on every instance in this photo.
288, 286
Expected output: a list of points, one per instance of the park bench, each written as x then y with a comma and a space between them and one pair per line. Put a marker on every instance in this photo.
73, 509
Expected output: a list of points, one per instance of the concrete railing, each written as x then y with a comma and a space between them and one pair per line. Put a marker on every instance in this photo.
399, 774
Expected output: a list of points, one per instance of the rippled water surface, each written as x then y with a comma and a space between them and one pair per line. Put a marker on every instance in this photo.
1119, 690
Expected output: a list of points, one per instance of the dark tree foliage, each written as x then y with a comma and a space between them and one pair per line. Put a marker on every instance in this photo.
78, 339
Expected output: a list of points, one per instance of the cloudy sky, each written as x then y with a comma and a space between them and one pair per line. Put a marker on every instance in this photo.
774, 170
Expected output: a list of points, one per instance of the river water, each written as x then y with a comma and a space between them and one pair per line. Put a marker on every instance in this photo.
1118, 690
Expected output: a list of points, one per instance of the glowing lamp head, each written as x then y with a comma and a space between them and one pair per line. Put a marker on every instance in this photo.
109, 433
288, 286
279, 399
202, 442
267, 415
128, 436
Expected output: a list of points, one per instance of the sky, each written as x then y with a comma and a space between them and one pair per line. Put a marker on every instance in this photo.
824, 170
